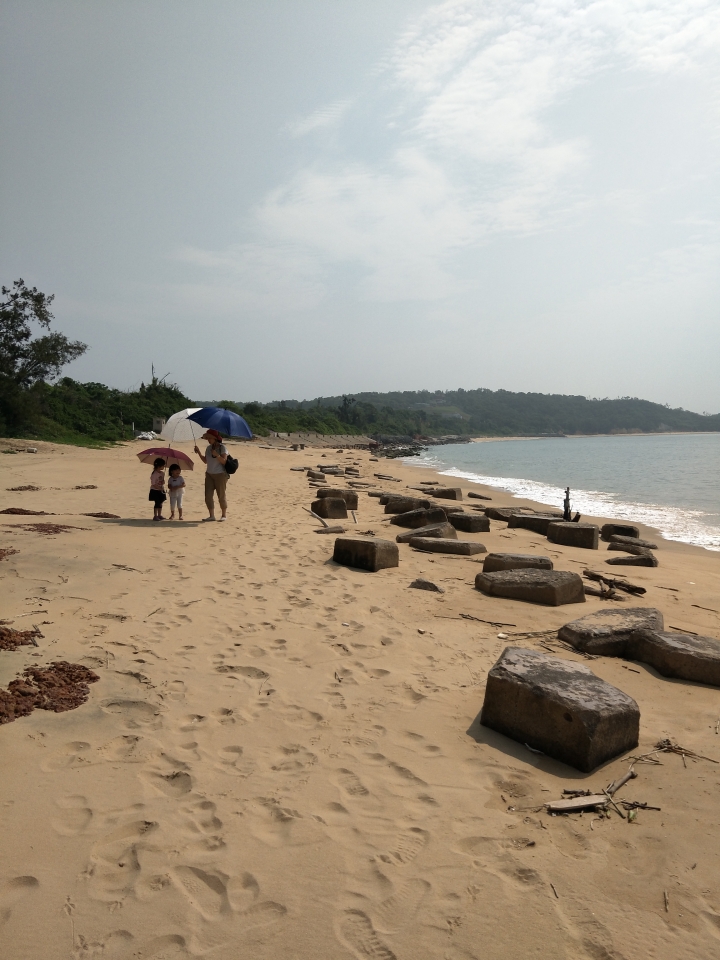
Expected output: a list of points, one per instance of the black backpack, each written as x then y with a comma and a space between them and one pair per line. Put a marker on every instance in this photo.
231, 465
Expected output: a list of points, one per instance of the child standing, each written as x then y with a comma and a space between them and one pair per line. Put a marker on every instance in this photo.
157, 488
176, 485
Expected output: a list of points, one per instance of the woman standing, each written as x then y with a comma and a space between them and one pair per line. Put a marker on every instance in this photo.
216, 476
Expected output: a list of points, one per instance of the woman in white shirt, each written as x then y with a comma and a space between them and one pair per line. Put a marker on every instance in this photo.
216, 476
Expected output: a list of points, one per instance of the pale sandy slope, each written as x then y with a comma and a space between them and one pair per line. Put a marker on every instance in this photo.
282, 758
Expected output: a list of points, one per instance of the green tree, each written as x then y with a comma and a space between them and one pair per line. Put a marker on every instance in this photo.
27, 359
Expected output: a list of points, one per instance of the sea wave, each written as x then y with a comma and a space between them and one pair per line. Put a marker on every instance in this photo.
674, 523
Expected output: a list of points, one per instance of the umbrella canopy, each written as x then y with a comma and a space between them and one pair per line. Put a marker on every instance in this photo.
179, 429
170, 456
226, 422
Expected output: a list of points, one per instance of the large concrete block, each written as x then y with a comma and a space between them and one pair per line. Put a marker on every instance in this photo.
560, 708
648, 560
631, 542
366, 553
431, 530
574, 534
349, 496
535, 522
330, 508
315, 475
419, 518
551, 587
447, 493
406, 504
515, 561
504, 513
478, 496
469, 523
464, 548
624, 529
607, 632
683, 656
634, 549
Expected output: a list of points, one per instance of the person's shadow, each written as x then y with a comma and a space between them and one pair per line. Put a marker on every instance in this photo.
128, 522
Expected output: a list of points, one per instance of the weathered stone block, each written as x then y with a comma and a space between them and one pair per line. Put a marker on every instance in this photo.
349, 496
515, 561
632, 542
560, 708
469, 523
431, 530
607, 632
366, 553
632, 548
406, 504
624, 529
447, 493
419, 518
574, 534
465, 548
530, 521
551, 587
478, 496
315, 475
330, 508
680, 655
421, 584
644, 561
504, 513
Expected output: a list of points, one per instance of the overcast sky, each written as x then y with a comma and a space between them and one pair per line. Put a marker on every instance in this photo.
278, 199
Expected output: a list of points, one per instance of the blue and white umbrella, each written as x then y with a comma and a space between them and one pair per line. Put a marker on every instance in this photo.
226, 422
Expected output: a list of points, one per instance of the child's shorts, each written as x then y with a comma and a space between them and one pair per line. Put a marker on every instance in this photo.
158, 497
176, 498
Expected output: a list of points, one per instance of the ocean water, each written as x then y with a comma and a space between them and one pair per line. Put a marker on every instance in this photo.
670, 482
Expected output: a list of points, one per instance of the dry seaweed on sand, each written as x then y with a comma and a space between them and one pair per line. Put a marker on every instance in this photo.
22, 512
58, 687
46, 529
12, 639
26, 487
101, 516
6, 552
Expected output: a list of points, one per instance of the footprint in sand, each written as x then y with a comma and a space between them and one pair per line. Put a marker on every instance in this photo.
134, 713
399, 909
351, 784
74, 817
234, 763
115, 867
294, 759
175, 784
12, 891
207, 892
74, 754
356, 931
406, 847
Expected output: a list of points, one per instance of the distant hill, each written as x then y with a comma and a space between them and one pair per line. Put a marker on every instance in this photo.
504, 413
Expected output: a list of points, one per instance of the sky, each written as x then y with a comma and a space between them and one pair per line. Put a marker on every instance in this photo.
281, 200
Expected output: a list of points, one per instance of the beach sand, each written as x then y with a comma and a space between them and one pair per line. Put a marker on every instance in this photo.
282, 757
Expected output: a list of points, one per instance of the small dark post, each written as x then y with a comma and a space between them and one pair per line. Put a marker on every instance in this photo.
567, 508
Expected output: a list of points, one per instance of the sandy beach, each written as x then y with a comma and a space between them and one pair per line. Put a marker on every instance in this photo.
283, 758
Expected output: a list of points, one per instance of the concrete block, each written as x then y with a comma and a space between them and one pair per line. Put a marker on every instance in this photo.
683, 656
644, 561
447, 493
559, 707
530, 521
405, 504
419, 518
515, 561
315, 475
632, 548
478, 496
632, 542
349, 496
550, 587
504, 513
607, 632
464, 548
469, 523
366, 553
431, 530
583, 535
330, 508
624, 529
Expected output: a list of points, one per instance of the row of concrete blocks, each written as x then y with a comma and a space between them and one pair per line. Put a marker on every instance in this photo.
567, 712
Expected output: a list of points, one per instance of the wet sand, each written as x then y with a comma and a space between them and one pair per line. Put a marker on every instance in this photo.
282, 757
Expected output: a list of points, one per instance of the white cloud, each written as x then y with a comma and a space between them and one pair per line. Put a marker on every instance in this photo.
472, 151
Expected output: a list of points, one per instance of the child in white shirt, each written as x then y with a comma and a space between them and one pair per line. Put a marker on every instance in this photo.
176, 485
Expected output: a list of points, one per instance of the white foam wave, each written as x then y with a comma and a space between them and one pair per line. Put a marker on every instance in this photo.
674, 523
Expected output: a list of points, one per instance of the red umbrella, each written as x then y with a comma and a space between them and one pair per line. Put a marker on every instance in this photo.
170, 456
